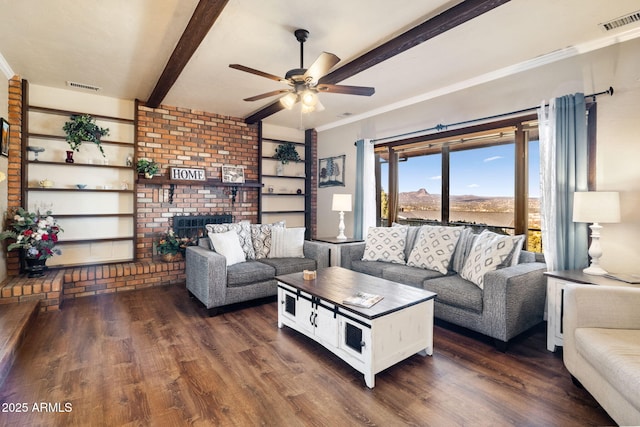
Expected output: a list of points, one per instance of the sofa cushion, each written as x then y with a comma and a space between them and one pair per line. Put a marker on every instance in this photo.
615, 353
434, 247
289, 265
249, 272
244, 234
287, 242
261, 238
457, 292
412, 234
489, 252
373, 268
407, 275
463, 246
228, 245
385, 244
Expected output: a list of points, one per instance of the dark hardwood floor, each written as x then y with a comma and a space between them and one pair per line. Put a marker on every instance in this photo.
152, 357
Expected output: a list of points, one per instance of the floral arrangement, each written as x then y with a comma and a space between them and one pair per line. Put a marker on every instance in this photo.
81, 128
33, 232
170, 243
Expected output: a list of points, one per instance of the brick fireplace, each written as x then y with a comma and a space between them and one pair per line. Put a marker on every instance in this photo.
182, 137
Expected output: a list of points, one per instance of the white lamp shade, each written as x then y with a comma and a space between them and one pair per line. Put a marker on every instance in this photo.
341, 203
596, 206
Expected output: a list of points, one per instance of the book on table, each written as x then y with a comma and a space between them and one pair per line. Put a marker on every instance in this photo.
363, 299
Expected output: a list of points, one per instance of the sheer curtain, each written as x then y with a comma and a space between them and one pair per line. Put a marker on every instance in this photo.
563, 171
364, 212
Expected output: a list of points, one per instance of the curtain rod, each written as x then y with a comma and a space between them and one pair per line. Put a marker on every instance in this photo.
440, 127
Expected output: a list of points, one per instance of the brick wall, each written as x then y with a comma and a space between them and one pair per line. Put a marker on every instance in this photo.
14, 175
175, 136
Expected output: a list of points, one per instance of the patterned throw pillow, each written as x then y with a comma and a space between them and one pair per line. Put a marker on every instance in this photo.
261, 238
385, 244
434, 247
488, 253
244, 234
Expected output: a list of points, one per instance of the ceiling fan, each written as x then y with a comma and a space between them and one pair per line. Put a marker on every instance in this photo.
303, 82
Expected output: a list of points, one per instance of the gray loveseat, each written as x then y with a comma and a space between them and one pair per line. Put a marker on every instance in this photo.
512, 300
215, 284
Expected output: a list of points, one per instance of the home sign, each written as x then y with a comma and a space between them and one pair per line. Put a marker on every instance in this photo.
187, 174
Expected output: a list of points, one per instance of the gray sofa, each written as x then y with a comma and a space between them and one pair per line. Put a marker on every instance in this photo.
512, 301
602, 346
216, 285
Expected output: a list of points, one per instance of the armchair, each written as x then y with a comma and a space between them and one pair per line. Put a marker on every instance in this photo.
602, 346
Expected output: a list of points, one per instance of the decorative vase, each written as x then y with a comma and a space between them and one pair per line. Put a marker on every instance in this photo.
36, 267
171, 257
69, 156
280, 169
148, 175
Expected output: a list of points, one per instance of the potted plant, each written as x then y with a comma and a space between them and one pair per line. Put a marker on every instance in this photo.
147, 167
36, 235
171, 246
83, 128
286, 152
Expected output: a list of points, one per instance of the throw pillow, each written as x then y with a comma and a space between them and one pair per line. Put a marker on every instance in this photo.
261, 238
465, 242
385, 244
434, 247
244, 234
488, 253
287, 242
412, 235
227, 244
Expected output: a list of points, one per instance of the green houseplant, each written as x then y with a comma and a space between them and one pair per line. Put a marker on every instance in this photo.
81, 128
170, 245
286, 152
148, 167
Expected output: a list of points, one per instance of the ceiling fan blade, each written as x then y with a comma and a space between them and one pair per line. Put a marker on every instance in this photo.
266, 95
257, 72
348, 90
321, 66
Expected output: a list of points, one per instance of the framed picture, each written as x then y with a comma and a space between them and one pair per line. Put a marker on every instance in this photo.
331, 171
4, 143
233, 174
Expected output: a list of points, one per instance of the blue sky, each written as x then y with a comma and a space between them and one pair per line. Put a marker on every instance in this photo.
485, 171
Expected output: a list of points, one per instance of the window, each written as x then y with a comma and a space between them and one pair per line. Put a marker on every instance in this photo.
472, 176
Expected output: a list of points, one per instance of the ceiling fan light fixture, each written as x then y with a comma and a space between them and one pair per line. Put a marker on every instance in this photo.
306, 109
289, 100
309, 98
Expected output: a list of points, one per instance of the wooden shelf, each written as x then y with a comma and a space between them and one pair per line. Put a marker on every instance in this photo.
163, 180
106, 239
284, 176
283, 212
63, 138
280, 141
283, 194
102, 215
102, 190
71, 113
93, 165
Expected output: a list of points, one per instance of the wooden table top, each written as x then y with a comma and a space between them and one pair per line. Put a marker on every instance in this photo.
334, 284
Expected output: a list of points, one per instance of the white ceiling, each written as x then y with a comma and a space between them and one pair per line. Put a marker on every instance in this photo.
122, 47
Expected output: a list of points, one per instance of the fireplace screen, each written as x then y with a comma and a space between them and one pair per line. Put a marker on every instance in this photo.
193, 226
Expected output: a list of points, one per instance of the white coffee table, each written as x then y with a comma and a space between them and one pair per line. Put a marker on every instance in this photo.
369, 339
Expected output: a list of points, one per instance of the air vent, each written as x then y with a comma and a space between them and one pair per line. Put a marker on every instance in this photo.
83, 86
621, 21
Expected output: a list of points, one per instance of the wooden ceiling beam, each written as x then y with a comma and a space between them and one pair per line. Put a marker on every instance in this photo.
447, 20
203, 18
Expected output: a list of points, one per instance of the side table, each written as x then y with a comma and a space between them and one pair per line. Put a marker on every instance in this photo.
335, 246
556, 281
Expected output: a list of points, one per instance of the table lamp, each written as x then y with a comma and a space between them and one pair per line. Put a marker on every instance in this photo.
596, 207
341, 203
